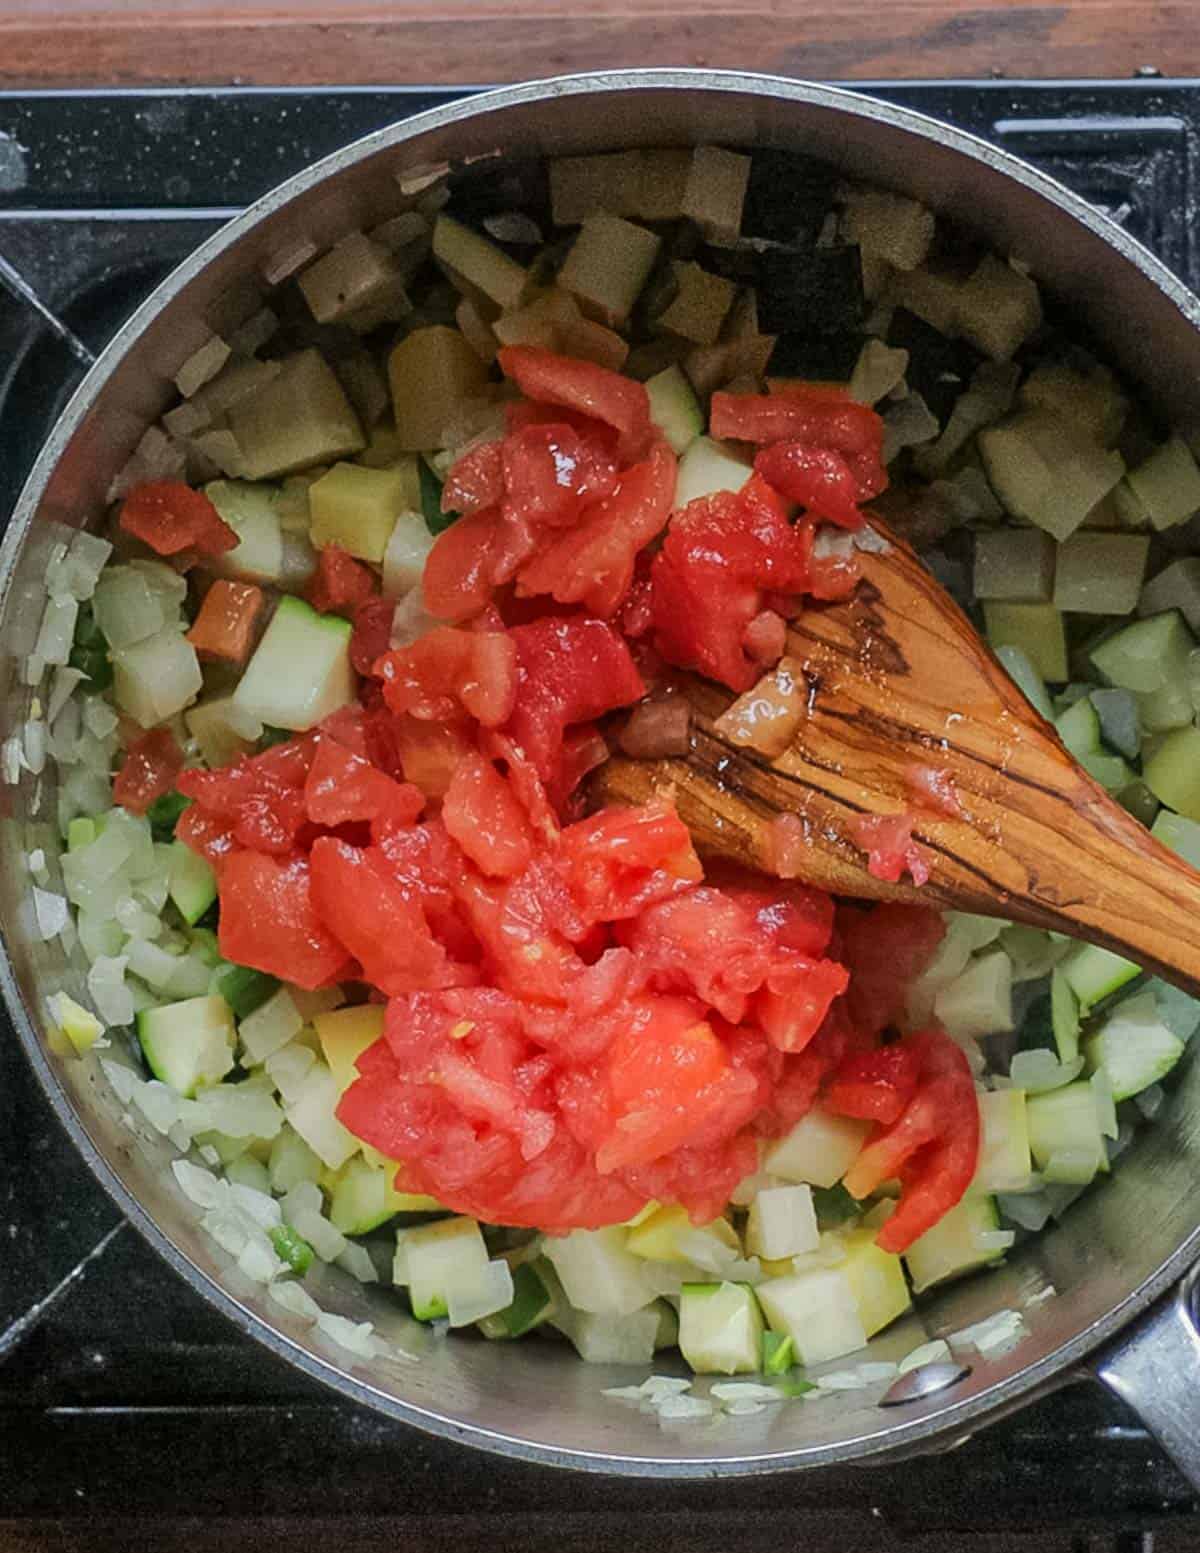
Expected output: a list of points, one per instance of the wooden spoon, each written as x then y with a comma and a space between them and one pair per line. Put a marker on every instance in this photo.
896, 678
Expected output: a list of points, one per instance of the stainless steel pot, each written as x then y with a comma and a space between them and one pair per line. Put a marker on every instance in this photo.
1127, 1245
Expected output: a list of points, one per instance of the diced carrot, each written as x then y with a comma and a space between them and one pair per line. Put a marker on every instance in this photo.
224, 628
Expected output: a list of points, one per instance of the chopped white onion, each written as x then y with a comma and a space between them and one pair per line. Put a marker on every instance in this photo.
355, 1337
50, 912
935, 1352
295, 1299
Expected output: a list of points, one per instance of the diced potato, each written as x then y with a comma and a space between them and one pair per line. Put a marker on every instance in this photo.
1090, 400
354, 274
607, 266
300, 418
891, 227
357, 509
661, 184
700, 305
220, 733
1014, 563
582, 185
1100, 574
876, 1280
432, 371
1167, 484
998, 308
480, 262
1037, 629
1044, 473
157, 677
716, 191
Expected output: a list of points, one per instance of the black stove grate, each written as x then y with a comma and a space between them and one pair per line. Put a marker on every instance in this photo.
121, 1392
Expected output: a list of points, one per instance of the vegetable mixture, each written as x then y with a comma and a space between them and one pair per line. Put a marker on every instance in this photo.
439, 515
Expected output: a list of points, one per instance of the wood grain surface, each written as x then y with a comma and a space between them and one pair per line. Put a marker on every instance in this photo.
67, 43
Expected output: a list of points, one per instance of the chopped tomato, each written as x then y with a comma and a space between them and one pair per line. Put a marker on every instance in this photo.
582, 386
171, 518
457, 580
818, 478
797, 999
834, 573
483, 814
342, 787
875, 1085
833, 422
593, 563
224, 626
721, 554
765, 638
364, 909
151, 765
448, 669
207, 835
428, 752
340, 583
269, 922
885, 949
888, 842
933, 789
551, 471
621, 861
569, 671
475, 481
933, 1145
260, 798
372, 633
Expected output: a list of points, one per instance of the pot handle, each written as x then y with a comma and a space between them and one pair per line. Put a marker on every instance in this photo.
1155, 1368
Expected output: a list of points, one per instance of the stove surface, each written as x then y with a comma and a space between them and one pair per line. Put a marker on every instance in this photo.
121, 1392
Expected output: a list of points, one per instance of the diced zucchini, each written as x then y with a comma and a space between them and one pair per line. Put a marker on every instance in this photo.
356, 508
979, 1001
1100, 574
311, 1112
1019, 668
1044, 472
291, 1161
1093, 974
479, 262
300, 671
782, 1223
630, 1339
1167, 485
445, 1265
157, 677
345, 1034
720, 1328
964, 1238
819, 1150
363, 1197
876, 1280
1064, 1016
1065, 1134
192, 885
1177, 586
246, 990
817, 1310
1133, 1047
1014, 564
674, 408
1037, 629
356, 273
699, 306
607, 266
715, 192
1178, 834
254, 512
301, 417
1147, 654
188, 1044
598, 1272
1004, 1159
778, 1353
667, 1234
1120, 724
532, 1304
878, 370
709, 466
1088, 398
1079, 728
1172, 772
433, 372
896, 229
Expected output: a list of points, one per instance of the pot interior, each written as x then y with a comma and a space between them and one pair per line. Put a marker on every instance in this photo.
1114, 1249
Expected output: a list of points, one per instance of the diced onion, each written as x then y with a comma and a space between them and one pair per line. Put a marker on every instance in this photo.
295, 1299
788, 846
50, 912
766, 716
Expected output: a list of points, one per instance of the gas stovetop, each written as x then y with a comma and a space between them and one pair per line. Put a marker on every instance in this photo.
121, 1392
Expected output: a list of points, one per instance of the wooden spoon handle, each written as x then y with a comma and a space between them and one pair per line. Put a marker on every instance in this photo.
897, 679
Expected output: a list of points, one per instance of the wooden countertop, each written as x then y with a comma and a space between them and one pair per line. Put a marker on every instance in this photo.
69, 43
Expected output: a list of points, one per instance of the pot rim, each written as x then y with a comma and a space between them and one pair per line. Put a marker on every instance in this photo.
894, 1437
